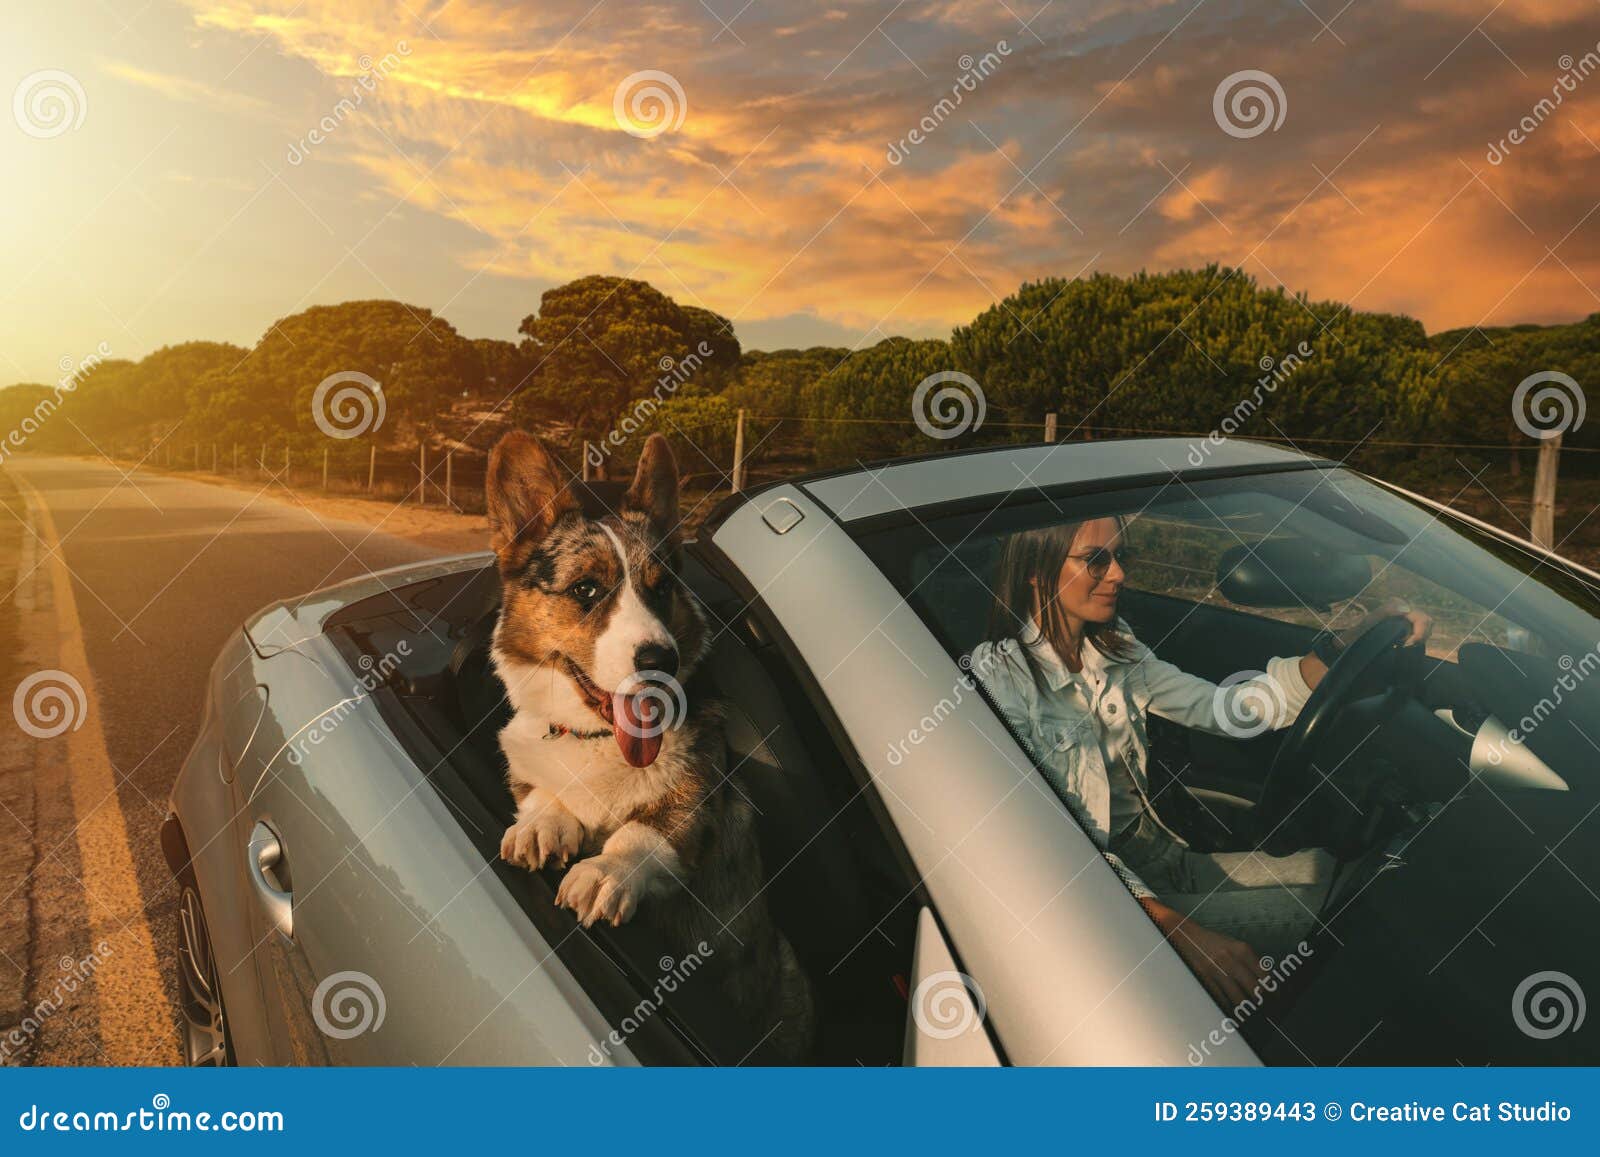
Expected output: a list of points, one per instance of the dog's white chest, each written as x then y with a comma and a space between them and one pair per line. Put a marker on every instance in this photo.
588, 775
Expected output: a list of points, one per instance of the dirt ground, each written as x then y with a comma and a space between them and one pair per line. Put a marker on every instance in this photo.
450, 531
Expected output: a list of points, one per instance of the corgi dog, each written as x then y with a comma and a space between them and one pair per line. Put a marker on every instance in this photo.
615, 755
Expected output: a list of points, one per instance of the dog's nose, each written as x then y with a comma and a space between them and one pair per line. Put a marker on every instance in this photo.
656, 657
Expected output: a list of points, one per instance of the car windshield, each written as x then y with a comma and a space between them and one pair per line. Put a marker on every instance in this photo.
1406, 840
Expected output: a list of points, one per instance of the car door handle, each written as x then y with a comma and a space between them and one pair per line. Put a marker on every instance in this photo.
266, 853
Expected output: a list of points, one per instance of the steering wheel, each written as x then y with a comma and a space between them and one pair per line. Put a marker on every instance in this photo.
1373, 667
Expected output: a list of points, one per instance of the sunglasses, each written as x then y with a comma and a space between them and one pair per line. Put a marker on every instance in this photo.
1098, 561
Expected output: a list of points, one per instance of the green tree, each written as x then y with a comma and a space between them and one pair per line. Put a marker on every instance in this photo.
774, 381
502, 368
700, 426
1183, 350
601, 344
1481, 369
418, 360
862, 408
160, 382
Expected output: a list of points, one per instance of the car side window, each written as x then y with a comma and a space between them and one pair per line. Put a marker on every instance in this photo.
834, 881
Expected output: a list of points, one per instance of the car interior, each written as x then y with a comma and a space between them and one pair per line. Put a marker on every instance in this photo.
836, 883
1442, 856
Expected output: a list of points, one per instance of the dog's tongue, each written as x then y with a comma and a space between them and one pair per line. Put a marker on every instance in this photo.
638, 727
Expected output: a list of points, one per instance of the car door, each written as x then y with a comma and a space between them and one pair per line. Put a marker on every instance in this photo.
381, 938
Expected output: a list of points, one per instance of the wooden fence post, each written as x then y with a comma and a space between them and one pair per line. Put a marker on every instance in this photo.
261, 462
422, 473
286, 463
324, 468
1050, 427
372, 465
738, 453
1542, 525
449, 481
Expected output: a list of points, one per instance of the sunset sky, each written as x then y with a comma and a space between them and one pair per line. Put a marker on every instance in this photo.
486, 161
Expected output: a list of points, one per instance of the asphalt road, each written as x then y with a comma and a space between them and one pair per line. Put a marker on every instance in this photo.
163, 569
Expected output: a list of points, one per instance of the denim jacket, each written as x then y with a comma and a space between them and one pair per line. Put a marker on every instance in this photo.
1116, 694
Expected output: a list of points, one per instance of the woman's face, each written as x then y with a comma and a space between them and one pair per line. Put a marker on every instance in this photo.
1079, 593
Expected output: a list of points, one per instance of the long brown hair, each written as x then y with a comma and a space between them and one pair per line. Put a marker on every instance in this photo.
1030, 566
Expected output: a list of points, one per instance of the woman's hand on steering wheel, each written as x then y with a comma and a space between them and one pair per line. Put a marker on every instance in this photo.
1312, 667
1421, 623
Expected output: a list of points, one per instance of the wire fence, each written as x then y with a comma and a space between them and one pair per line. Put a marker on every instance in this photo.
421, 475
452, 474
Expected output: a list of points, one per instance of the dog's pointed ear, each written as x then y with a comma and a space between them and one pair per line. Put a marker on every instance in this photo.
654, 492
525, 491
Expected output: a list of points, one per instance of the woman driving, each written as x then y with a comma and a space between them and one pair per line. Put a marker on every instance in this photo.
1071, 679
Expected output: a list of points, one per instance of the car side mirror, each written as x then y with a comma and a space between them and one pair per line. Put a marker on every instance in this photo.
1291, 572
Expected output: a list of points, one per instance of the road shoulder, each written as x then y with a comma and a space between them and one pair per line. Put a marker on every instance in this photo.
93, 989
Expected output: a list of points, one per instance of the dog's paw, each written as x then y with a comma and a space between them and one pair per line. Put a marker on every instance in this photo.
552, 835
600, 889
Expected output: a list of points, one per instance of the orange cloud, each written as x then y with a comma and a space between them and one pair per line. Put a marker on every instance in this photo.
774, 190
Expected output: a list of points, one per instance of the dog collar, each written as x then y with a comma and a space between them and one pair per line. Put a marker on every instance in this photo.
557, 730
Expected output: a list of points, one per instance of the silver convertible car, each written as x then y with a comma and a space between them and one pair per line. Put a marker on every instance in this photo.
336, 828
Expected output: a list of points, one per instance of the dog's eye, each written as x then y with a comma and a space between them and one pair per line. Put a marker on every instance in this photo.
584, 590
